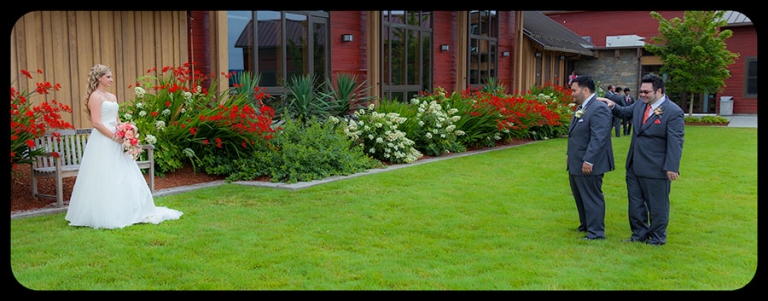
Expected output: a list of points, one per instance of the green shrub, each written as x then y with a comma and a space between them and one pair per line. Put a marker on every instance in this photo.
305, 152
193, 125
380, 136
714, 119
692, 119
479, 120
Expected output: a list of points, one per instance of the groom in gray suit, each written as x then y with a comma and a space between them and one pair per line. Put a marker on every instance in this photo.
590, 155
653, 161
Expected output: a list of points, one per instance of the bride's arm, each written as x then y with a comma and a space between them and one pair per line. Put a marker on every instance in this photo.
95, 103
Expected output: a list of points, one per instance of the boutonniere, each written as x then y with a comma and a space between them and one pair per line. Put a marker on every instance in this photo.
657, 111
579, 113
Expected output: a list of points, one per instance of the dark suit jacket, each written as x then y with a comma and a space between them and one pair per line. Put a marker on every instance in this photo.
657, 145
589, 139
619, 99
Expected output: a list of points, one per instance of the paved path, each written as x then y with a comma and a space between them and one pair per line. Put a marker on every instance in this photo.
742, 121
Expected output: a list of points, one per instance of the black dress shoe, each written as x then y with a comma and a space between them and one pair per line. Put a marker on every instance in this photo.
581, 229
633, 240
593, 238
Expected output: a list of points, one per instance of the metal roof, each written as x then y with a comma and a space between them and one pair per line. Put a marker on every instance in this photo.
553, 36
735, 18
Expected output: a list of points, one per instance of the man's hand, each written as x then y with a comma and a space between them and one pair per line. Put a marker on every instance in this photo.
672, 175
586, 168
607, 101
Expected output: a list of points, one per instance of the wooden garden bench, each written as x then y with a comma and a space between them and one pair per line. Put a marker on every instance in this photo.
70, 150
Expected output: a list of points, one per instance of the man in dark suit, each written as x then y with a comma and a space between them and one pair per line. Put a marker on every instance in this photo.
628, 100
653, 161
590, 155
619, 99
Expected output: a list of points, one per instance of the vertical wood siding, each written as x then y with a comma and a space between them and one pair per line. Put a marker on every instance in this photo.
66, 44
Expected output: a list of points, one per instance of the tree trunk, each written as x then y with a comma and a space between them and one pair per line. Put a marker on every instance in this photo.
690, 103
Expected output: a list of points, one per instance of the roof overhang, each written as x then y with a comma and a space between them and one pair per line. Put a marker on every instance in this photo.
552, 36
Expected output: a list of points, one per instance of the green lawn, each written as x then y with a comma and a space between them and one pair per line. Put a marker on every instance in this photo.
501, 220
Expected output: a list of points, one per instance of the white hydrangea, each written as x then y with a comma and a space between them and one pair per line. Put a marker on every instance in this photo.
139, 105
150, 139
160, 124
166, 112
127, 116
139, 92
143, 113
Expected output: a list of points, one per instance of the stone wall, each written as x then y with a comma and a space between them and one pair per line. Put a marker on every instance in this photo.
611, 69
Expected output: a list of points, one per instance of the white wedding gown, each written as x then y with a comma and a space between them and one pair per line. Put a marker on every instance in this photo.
110, 190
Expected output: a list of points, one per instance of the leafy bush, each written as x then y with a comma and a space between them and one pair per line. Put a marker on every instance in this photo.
305, 152
693, 119
714, 119
558, 113
436, 133
29, 122
380, 136
192, 124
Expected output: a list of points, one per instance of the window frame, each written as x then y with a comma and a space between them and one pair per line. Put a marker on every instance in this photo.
491, 52
747, 62
424, 76
311, 18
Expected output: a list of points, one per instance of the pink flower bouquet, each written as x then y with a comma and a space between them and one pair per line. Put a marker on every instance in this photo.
130, 135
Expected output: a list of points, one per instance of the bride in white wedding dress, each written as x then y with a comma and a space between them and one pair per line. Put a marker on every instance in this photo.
110, 191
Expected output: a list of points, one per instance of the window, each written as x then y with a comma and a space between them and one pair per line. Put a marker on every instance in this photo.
750, 77
406, 54
483, 46
280, 44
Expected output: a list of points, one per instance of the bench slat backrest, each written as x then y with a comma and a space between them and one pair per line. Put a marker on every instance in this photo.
70, 147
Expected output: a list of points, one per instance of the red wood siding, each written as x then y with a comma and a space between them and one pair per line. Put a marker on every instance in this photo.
600, 24
505, 71
199, 42
743, 42
444, 64
348, 57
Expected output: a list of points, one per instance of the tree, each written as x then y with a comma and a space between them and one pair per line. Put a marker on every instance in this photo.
693, 51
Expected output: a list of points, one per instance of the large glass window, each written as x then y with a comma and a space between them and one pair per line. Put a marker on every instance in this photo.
750, 77
406, 54
483, 46
280, 44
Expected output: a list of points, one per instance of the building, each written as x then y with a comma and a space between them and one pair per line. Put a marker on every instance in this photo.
621, 60
397, 53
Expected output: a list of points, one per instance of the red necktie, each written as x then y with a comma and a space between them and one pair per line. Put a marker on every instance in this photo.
647, 109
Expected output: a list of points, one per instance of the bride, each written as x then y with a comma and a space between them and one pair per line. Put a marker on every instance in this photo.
110, 191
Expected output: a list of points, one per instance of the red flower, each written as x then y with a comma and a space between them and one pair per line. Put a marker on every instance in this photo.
55, 154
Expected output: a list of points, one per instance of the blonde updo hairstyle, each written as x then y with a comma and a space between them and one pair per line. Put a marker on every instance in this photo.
96, 72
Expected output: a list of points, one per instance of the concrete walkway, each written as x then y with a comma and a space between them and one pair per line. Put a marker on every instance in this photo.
742, 121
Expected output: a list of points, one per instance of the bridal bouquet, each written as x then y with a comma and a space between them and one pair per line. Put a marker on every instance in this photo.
130, 135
